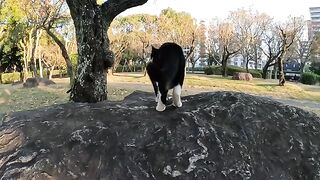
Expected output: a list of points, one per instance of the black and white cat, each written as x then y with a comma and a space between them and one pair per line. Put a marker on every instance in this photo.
167, 71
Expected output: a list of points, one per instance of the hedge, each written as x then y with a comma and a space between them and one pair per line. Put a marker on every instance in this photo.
310, 78
7, 78
137, 68
195, 68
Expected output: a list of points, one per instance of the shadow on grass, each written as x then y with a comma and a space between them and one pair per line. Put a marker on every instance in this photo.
133, 75
268, 85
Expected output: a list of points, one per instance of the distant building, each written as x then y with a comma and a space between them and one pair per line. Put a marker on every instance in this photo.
238, 61
314, 22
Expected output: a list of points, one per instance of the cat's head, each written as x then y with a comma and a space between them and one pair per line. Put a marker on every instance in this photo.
154, 54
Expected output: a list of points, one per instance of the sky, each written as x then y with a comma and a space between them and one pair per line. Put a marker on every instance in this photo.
208, 9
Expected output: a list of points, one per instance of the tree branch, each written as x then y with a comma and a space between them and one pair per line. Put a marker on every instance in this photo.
112, 8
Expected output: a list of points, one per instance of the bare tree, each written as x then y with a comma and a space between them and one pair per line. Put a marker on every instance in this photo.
249, 27
278, 39
52, 58
212, 44
228, 44
272, 43
289, 33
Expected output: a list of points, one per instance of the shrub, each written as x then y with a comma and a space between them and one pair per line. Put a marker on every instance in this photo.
121, 68
216, 70
196, 68
315, 67
208, 70
7, 78
309, 78
233, 69
256, 73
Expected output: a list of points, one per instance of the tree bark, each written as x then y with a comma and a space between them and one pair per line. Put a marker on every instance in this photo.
33, 47
281, 73
38, 54
91, 24
224, 65
265, 72
225, 56
50, 72
247, 64
25, 62
255, 56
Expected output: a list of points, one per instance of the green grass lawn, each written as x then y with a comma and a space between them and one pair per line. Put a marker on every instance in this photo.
256, 87
16, 98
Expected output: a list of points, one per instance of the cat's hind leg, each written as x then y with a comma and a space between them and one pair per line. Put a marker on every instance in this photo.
153, 72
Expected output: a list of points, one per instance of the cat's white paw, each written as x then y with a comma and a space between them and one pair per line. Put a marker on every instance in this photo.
177, 102
160, 107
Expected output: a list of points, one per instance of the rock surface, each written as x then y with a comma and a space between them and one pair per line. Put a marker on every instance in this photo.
34, 82
242, 76
221, 135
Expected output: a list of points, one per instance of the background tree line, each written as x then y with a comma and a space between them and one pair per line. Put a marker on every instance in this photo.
36, 35
244, 33
40, 34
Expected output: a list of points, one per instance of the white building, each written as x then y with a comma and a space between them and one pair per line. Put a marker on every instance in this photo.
237, 60
314, 23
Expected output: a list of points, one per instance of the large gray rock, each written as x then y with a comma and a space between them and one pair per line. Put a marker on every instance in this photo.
222, 135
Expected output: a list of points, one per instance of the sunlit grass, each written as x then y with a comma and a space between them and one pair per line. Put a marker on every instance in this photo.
256, 87
16, 98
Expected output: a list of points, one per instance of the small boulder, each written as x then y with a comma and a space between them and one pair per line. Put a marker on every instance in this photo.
242, 76
35, 82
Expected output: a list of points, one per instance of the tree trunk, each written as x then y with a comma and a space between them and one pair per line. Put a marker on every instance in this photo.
301, 69
225, 57
64, 54
91, 24
193, 64
93, 43
224, 65
38, 54
281, 73
247, 65
255, 56
33, 46
265, 72
25, 62
50, 72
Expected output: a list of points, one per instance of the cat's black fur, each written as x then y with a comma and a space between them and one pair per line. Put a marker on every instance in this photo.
167, 68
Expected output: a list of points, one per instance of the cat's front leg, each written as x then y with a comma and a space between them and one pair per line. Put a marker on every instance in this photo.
176, 94
160, 105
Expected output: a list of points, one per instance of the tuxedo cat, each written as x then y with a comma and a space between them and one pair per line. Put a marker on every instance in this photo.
167, 71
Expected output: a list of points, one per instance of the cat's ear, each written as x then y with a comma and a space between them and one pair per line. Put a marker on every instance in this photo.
153, 48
